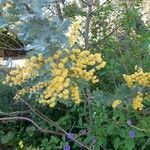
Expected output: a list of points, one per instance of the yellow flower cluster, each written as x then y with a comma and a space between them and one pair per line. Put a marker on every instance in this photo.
81, 61
65, 66
139, 77
21, 145
73, 32
116, 103
33, 89
20, 93
137, 102
75, 94
57, 88
38, 86
29, 70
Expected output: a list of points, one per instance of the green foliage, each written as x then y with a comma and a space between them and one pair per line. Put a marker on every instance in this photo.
71, 10
123, 40
31, 16
6, 94
124, 43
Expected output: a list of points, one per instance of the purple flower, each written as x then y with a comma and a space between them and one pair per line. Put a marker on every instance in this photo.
70, 136
129, 122
132, 133
67, 147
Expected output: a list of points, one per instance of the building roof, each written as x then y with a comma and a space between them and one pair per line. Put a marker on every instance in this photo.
11, 46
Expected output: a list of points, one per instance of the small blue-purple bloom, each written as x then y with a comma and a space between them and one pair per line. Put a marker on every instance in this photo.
132, 133
70, 136
129, 122
67, 147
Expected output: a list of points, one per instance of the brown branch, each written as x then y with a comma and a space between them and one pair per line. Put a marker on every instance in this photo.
87, 24
87, 104
58, 9
42, 116
15, 113
86, 3
49, 121
35, 124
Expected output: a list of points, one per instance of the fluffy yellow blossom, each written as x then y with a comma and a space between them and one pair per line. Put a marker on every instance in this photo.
64, 68
33, 59
74, 64
30, 70
116, 103
73, 32
21, 145
51, 105
75, 94
139, 78
20, 93
38, 87
137, 102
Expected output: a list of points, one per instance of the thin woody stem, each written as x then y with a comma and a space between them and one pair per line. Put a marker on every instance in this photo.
87, 104
48, 120
35, 124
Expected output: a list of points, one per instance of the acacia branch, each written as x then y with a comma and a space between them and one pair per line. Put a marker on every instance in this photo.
87, 24
87, 104
86, 3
